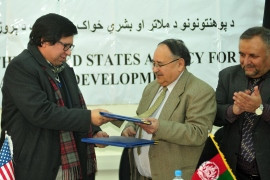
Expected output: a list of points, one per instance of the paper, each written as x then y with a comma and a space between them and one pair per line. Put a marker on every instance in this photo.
124, 118
120, 141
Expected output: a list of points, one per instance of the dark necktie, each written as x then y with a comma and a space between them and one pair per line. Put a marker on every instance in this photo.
151, 110
247, 146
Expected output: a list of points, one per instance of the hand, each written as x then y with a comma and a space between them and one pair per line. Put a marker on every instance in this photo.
245, 101
152, 128
98, 135
97, 119
129, 132
237, 110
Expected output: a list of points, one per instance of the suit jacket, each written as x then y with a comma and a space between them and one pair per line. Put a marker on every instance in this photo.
185, 120
32, 118
233, 79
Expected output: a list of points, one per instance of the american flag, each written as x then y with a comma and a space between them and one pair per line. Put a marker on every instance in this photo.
7, 170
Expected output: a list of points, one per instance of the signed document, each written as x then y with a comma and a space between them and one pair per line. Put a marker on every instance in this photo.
120, 141
124, 118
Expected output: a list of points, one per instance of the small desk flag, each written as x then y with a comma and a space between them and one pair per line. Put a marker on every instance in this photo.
213, 165
7, 170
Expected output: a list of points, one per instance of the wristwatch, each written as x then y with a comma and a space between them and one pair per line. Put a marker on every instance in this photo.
259, 110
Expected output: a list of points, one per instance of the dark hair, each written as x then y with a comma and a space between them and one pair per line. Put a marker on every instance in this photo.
178, 48
51, 28
263, 32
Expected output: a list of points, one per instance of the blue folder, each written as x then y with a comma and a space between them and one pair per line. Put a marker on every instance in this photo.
120, 141
124, 118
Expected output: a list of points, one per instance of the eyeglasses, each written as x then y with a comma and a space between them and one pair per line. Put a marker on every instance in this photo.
67, 46
158, 65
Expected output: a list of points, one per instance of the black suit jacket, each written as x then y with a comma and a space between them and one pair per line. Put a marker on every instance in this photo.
233, 79
32, 118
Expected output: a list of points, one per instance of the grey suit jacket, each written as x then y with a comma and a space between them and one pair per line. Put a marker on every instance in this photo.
185, 121
233, 79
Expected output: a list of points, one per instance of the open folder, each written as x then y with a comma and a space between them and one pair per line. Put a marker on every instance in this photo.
120, 141
124, 118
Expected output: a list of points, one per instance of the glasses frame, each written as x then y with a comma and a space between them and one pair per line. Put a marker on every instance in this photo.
66, 46
161, 65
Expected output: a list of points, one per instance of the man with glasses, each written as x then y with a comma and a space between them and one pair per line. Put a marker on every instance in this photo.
181, 122
43, 109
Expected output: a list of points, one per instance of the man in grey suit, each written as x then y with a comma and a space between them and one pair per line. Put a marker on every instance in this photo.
243, 107
180, 124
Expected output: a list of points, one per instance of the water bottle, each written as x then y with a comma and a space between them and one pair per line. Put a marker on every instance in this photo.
178, 175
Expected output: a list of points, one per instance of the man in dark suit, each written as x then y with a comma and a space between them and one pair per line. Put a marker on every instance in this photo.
243, 98
43, 110
180, 124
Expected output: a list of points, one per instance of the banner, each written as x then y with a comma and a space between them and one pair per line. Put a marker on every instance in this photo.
117, 38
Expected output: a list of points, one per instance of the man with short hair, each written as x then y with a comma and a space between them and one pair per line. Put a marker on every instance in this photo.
243, 98
43, 109
181, 121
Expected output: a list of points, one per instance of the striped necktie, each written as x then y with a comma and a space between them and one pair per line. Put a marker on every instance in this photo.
247, 144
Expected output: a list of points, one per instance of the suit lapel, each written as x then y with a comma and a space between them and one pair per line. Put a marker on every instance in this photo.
242, 85
148, 98
265, 90
71, 84
174, 97
242, 81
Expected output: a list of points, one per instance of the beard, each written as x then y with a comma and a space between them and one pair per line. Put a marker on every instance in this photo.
251, 71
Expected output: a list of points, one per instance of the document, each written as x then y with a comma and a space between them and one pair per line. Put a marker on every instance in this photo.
124, 118
119, 141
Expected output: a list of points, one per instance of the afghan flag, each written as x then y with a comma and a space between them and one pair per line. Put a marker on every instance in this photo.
212, 164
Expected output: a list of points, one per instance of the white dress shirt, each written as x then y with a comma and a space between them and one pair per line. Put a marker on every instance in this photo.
142, 160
